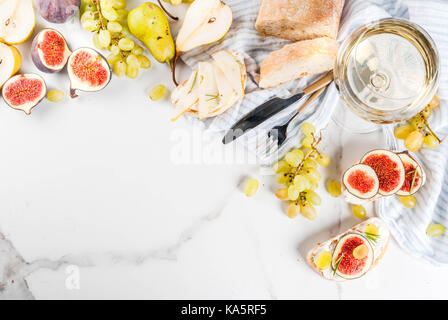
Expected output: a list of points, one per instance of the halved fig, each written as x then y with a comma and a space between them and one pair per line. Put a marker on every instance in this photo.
24, 91
361, 181
415, 176
388, 167
88, 71
344, 261
49, 51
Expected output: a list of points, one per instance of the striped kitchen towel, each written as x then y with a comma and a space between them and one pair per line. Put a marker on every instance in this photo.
407, 226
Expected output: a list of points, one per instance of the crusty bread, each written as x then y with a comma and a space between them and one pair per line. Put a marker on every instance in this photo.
299, 19
335, 239
297, 60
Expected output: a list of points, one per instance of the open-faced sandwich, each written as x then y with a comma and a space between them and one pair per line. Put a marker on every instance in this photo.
351, 254
382, 173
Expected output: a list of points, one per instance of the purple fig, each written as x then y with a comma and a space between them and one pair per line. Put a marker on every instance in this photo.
49, 51
58, 11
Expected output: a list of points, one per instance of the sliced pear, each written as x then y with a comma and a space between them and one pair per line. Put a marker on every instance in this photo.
17, 20
233, 69
206, 21
228, 96
185, 95
208, 89
10, 62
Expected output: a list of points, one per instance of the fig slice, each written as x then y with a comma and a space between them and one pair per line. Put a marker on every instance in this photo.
388, 167
412, 168
344, 261
24, 91
361, 181
49, 51
88, 71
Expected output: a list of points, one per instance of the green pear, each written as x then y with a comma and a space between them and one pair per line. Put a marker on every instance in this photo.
149, 24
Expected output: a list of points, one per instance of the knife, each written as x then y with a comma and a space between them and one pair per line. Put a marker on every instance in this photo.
266, 110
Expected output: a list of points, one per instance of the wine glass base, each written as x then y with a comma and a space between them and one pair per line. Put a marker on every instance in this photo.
352, 123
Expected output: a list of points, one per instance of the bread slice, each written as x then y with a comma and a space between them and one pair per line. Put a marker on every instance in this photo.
379, 247
297, 60
299, 19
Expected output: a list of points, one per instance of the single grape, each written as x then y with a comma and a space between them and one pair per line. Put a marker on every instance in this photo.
119, 4
408, 201
137, 50
158, 92
301, 183
359, 211
431, 141
402, 132
323, 160
313, 197
113, 58
308, 129
106, 4
104, 38
309, 163
90, 25
307, 142
414, 141
114, 26
96, 41
144, 62
132, 59
126, 44
312, 173
293, 193
281, 165
55, 95
426, 112
110, 14
434, 103
115, 49
132, 70
308, 211
334, 188
251, 187
282, 193
294, 158
292, 210
87, 15
323, 261
435, 230
120, 68
372, 229
281, 177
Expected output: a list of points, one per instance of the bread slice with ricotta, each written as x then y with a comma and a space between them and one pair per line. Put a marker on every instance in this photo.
299, 19
296, 60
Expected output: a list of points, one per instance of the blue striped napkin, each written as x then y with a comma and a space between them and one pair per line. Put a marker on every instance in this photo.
407, 226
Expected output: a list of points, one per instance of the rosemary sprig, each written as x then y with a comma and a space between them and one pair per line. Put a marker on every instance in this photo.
372, 236
212, 97
338, 262
194, 82
413, 181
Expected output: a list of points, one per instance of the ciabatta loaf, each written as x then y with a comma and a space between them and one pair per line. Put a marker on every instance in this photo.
299, 19
297, 60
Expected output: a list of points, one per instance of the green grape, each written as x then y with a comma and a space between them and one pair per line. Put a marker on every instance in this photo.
115, 49
132, 59
113, 58
122, 14
106, 4
408, 201
138, 50
110, 14
282, 193
114, 26
334, 188
309, 163
308, 129
132, 70
293, 193
281, 177
281, 165
323, 160
88, 15
435, 230
125, 32
426, 113
402, 132
96, 41
308, 211
431, 141
301, 183
90, 25
119, 4
359, 211
312, 173
251, 187
418, 122
55, 95
104, 38
294, 158
126, 44
414, 141
307, 142
120, 68
292, 210
312, 197
144, 62
157, 93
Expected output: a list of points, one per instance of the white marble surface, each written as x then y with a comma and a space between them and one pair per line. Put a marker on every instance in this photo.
95, 203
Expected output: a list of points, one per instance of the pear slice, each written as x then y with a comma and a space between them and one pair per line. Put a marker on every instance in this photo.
206, 21
10, 62
208, 89
17, 20
185, 95
228, 95
233, 68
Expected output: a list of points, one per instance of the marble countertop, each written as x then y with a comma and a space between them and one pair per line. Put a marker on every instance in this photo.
104, 197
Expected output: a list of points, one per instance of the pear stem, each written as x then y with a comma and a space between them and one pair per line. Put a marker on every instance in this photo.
173, 68
166, 11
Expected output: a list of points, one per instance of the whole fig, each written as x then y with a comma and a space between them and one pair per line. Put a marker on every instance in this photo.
58, 11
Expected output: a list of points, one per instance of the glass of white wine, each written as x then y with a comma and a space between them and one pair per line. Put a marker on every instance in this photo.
386, 71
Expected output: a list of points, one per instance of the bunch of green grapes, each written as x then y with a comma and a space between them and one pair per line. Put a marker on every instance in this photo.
298, 172
107, 20
417, 132
177, 2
